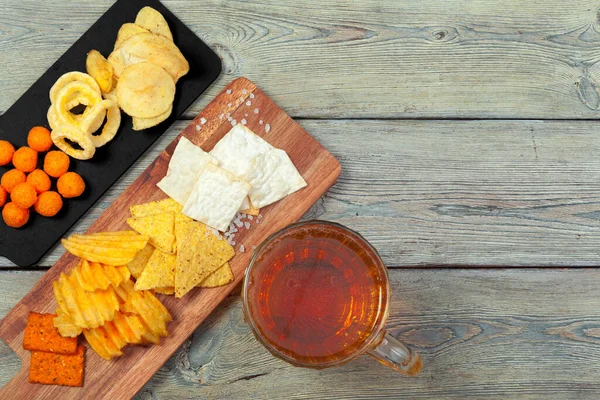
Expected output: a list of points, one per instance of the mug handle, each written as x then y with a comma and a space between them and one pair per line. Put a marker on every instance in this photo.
391, 352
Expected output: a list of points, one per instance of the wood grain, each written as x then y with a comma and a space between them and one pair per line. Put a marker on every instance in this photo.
356, 58
440, 193
483, 334
122, 377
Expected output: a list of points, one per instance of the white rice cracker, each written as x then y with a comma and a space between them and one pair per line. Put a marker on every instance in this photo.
272, 176
216, 197
184, 168
237, 148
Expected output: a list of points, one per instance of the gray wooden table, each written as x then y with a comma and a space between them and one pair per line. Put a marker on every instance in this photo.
470, 150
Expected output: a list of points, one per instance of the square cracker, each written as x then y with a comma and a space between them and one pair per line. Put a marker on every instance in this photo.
41, 335
57, 369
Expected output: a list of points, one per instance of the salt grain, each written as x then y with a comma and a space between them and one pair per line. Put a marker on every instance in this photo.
250, 217
241, 99
198, 127
243, 121
242, 248
229, 104
228, 91
267, 128
251, 95
260, 216
260, 122
247, 225
256, 111
228, 114
202, 120
221, 116
233, 122
239, 224
248, 103
244, 91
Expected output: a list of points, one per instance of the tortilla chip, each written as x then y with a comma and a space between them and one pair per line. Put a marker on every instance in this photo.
41, 335
199, 254
139, 262
155, 207
57, 369
165, 290
159, 227
220, 277
159, 272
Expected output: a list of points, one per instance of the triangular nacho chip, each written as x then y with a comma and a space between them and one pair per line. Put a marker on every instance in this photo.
159, 227
139, 262
155, 207
221, 277
159, 271
199, 254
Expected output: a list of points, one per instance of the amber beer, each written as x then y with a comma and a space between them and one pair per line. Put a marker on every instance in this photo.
316, 294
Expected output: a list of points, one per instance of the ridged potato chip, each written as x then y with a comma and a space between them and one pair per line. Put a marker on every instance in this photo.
85, 309
100, 69
103, 255
130, 242
110, 339
145, 90
152, 48
95, 117
63, 132
145, 123
65, 325
153, 21
126, 31
94, 276
152, 312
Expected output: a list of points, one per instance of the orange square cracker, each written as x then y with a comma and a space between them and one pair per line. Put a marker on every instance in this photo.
41, 335
57, 369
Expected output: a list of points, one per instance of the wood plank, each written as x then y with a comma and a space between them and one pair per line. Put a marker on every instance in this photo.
483, 334
482, 193
355, 58
126, 374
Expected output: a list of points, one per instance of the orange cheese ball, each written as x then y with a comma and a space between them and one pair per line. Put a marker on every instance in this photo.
2, 196
70, 185
39, 180
6, 152
25, 159
56, 163
12, 178
15, 216
48, 204
39, 139
23, 195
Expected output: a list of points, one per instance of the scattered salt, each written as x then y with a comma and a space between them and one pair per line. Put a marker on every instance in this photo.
198, 127
244, 91
233, 122
251, 95
248, 103
247, 225
234, 230
202, 120
239, 224
245, 115
260, 122
242, 248
250, 217
256, 111
260, 216
241, 99
228, 91
229, 104
243, 121
228, 114
221, 116
267, 128
232, 243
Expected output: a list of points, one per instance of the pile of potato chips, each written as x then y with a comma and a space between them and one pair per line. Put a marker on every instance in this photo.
98, 298
181, 253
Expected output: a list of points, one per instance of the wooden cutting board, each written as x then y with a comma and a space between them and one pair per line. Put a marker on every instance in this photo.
124, 376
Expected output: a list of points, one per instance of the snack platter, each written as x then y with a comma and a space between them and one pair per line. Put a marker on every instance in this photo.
26, 245
123, 376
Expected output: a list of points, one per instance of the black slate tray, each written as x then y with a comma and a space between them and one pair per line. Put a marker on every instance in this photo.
25, 246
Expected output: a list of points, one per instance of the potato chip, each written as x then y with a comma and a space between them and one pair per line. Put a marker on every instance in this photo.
216, 197
152, 48
100, 69
159, 228
199, 254
70, 132
184, 169
65, 325
126, 31
159, 271
137, 265
90, 123
115, 233
72, 77
41, 335
103, 255
165, 290
93, 276
152, 312
154, 21
57, 369
222, 276
155, 207
145, 90
131, 242
108, 340
145, 123
86, 309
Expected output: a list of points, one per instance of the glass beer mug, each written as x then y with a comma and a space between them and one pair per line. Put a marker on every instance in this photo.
316, 294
